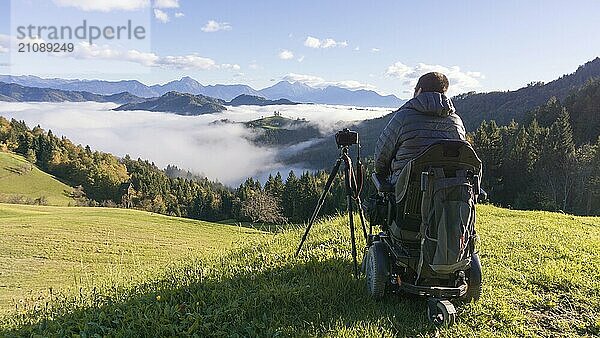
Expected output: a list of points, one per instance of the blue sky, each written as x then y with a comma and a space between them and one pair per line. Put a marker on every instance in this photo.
383, 45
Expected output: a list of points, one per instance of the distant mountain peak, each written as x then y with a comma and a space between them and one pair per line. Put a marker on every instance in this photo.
294, 84
189, 80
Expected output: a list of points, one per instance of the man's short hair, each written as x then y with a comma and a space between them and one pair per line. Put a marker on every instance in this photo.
433, 82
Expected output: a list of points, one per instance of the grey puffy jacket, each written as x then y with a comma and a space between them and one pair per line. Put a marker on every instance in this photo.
420, 122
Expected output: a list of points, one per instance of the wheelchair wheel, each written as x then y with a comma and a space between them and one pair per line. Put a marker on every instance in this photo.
473, 280
376, 270
441, 312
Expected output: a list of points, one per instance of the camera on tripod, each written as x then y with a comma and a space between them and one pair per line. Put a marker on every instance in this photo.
353, 182
346, 138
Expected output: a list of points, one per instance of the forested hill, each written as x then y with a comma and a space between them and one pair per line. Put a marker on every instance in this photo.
583, 106
506, 106
103, 179
12, 92
178, 103
253, 100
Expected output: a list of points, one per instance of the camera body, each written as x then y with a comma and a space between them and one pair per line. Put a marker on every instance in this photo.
346, 137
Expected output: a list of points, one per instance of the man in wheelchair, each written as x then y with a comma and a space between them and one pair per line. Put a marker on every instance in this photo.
427, 177
428, 117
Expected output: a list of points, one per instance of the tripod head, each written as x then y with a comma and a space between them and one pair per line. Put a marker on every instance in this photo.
346, 138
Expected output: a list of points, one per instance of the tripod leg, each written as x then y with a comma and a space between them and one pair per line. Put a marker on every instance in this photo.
356, 195
334, 172
362, 218
352, 236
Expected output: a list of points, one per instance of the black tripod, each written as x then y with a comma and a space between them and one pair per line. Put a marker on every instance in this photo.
353, 190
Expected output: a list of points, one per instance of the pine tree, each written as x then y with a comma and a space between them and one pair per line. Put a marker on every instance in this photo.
557, 160
290, 197
488, 145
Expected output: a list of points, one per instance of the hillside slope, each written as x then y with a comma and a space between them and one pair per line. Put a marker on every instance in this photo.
12, 92
22, 182
507, 105
178, 103
68, 248
541, 277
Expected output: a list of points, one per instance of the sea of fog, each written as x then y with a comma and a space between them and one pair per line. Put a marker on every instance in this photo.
219, 151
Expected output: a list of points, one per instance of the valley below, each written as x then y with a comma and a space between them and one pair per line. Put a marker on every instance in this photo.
190, 142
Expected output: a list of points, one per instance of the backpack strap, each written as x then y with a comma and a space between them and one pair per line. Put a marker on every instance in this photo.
428, 210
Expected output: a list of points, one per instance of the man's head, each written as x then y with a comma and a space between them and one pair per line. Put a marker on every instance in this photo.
432, 82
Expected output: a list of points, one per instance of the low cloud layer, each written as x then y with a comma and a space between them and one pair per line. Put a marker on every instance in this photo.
219, 151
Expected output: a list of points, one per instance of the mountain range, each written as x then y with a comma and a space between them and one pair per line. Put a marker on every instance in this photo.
295, 91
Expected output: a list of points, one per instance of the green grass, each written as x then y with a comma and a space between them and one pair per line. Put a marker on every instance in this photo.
23, 182
541, 278
67, 248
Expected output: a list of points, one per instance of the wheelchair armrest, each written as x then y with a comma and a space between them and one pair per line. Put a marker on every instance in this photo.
382, 184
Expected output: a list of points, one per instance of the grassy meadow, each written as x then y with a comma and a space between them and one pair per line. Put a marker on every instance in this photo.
68, 248
541, 279
23, 182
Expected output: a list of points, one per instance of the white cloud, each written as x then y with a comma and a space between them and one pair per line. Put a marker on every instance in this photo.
7, 42
4, 43
166, 3
229, 66
179, 15
460, 81
357, 48
192, 61
400, 70
375, 50
313, 42
286, 55
213, 26
104, 5
300, 59
319, 82
161, 16
254, 65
